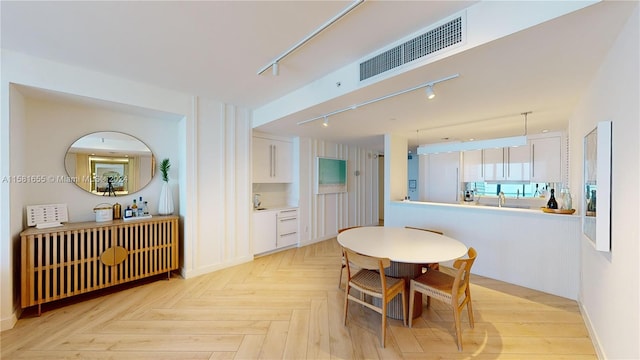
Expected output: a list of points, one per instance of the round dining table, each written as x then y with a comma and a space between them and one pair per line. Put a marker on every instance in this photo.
407, 248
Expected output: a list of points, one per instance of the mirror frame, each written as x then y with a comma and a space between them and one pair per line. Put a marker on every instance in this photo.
110, 163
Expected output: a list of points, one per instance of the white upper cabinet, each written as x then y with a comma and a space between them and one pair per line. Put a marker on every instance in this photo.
497, 164
494, 160
518, 163
539, 161
272, 160
546, 159
473, 166
506, 164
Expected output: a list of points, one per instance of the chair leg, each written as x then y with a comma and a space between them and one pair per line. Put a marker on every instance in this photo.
456, 317
470, 310
346, 302
412, 296
383, 333
340, 278
404, 307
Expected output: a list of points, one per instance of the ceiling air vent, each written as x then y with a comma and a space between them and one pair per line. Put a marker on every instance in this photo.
434, 40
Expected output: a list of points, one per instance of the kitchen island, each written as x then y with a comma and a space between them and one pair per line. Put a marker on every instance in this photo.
525, 247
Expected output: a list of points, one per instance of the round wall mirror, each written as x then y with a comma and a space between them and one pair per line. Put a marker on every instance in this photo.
110, 163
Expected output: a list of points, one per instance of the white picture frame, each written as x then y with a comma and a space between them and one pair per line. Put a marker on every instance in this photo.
596, 217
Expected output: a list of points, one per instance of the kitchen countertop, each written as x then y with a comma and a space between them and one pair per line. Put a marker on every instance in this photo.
275, 208
483, 207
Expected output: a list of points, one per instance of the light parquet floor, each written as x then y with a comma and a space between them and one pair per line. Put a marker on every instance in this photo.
287, 305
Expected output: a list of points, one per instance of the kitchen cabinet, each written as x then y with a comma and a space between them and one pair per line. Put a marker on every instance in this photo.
272, 160
546, 159
443, 178
493, 164
473, 166
506, 164
274, 229
264, 231
518, 163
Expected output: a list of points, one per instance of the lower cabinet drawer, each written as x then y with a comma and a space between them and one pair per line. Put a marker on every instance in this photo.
287, 225
287, 239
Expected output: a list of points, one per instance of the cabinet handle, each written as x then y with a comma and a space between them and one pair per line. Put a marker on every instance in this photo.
275, 165
288, 234
288, 211
509, 163
482, 163
533, 160
457, 184
504, 172
272, 150
288, 219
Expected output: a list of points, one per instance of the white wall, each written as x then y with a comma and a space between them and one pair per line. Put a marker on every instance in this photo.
396, 169
53, 126
321, 215
207, 141
611, 281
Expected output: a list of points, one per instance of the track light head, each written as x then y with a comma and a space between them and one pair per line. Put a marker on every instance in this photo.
429, 91
325, 123
275, 69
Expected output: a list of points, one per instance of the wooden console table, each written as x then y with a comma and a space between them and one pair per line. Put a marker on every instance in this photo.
81, 257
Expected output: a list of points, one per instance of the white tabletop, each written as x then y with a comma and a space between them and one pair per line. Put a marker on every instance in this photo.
402, 244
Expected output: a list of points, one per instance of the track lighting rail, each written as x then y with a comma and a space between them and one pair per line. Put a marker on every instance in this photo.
429, 84
274, 63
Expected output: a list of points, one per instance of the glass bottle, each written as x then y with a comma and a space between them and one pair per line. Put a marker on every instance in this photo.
145, 209
140, 208
591, 206
552, 203
566, 200
134, 208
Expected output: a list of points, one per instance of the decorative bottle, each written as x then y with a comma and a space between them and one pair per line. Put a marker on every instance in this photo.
552, 203
591, 206
140, 208
566, 200
134, 208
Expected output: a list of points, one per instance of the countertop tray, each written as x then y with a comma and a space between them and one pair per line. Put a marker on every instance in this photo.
558, 211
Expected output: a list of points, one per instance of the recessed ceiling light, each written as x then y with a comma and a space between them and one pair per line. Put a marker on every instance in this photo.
545, 131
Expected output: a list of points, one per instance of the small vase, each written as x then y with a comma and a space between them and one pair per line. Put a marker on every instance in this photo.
165, 203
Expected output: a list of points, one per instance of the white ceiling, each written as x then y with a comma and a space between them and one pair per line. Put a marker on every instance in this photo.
214, 49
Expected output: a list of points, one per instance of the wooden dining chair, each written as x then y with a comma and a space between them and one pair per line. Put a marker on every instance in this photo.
371, 280
430, 266
453, 290
344, 263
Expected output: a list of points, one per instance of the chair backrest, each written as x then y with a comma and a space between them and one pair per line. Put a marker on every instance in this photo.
461, 281
429, 230
365, 261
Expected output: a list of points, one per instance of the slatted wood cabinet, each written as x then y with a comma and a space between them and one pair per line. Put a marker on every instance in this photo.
81, 257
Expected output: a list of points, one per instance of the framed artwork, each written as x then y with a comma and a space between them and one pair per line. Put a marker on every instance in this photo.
332, 176
596, 218
412, 184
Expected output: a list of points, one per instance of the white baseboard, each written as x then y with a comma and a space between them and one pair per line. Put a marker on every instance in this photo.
592, 333
305, 243
186, 274
9, 322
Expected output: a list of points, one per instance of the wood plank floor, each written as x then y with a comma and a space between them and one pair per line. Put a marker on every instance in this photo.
288, 305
